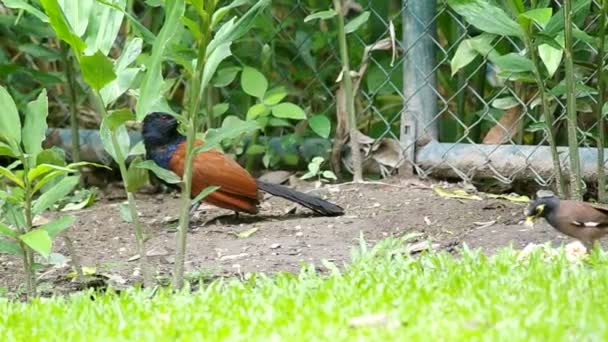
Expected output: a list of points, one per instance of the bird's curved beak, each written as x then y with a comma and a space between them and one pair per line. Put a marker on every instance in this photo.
530, 221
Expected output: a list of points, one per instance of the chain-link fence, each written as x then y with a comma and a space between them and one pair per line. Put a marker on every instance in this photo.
415, 113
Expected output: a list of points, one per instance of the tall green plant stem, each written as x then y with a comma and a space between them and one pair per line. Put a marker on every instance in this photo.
548, 116
348, 94
196, 92
601, 139
71, 90
139, 233
28, 260
576, 191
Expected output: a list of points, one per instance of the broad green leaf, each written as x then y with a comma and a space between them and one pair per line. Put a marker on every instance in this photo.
38, 240
129, 55
77, 13
97, 70
116, 118
6, 150
213, 61
253, 82
354, 24
225, 76
513, 62
470, 48
193, 27
61, 27
151, 87
81, 203
274, 96
47, 179
136, 176
54, 194
4, 172
125, 76
219, 109
486, 17
221, 12
44, 169
580, 8
104, 25
277, 122
164, 174
322, 15
125, 212
113, 124
138, 149
232, 128
10, 247
53, 156
540, 15
551, 57
34, 128
255, 150
505, 103
7, 231
321, 125
329, 175
55, 227
21, 4
10, 124
288, 110
137, 25
257, 110
206, 192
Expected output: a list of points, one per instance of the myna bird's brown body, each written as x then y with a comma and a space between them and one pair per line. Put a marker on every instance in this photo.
584, 221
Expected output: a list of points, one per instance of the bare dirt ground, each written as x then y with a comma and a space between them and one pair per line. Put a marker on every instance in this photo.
282, 236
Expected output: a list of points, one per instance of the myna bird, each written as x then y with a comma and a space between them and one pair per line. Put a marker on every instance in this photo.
587, 222
238, 191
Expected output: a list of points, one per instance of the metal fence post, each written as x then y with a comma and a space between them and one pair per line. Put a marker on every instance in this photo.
418, 124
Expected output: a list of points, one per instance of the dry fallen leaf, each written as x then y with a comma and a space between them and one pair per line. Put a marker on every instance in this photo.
247, 233
455, 193
575, 251
511, 197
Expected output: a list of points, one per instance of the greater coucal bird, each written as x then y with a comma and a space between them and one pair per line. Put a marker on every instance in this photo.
238, 191
584, 221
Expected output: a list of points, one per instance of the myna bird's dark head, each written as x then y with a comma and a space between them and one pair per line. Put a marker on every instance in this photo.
541, 207
159, 129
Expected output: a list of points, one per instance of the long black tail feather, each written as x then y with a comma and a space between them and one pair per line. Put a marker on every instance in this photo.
313, 203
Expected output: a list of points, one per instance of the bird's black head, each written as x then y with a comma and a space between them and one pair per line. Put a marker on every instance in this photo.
159, 129
541, 207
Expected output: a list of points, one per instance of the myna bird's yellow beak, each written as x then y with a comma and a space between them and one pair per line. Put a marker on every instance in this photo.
530, 221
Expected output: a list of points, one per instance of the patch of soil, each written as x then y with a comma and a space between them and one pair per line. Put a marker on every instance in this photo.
285, 234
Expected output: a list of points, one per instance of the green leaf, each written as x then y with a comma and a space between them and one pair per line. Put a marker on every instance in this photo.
213, 61
505, 103
253, 82
34, 128
54, 194
321, 125
44, 169
288, 110
61, 27
219, 109
11, 176
138, 149
20, 4
257, 110
232, 128
329, 175
321, 15
221, 12
468, 49
255, 150
486, 17
7, 231
9, 247
38, 240
77, 13
164, 174
540, 15
551, 57
136, 176
206, 192
580, 8
125, 76
103, 27
225, 76
151, 86
137, 25
53, 156
114, 124
97, 70
354, 24
274, 96
55, 227
117, 118
125, 212
6, 150
277, 122
10, 125
513, 63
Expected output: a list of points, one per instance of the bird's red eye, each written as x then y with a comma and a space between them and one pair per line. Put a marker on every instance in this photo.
164, 118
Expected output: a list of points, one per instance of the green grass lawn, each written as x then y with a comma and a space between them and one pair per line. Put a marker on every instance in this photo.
428, 298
